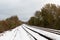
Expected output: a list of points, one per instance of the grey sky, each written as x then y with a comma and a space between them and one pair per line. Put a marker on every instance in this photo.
24, 9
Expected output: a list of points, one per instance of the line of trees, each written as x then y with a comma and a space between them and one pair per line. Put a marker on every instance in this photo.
48, 16
9, 23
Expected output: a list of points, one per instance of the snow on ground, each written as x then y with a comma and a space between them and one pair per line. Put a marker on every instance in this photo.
20, 34
36, 35
48, 30
16, 34
48, 34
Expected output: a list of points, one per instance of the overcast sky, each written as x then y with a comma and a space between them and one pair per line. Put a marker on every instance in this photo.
24, 9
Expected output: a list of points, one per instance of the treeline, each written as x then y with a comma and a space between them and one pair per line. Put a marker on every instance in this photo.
48, 16
9, 23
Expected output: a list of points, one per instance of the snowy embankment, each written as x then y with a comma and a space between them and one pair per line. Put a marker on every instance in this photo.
20, 34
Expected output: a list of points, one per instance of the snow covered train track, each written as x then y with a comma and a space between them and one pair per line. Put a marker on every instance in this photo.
25, 32
29, 33
45, 34
37, 33
48, 30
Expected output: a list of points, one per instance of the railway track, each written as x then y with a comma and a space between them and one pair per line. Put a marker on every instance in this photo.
37, 33
26, 32
48, 30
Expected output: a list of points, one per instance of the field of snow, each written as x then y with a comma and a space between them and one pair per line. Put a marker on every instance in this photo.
20, 34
